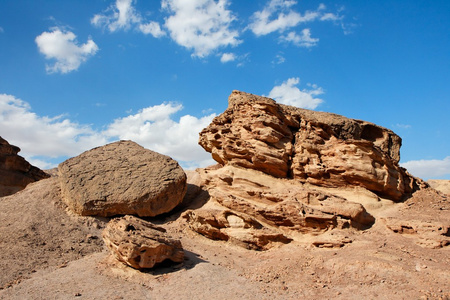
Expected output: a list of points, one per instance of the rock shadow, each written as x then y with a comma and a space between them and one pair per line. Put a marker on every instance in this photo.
191, 259
191, 201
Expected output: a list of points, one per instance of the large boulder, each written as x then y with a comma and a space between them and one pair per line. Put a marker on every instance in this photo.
121, 178
140, 244
15, 172
308, 146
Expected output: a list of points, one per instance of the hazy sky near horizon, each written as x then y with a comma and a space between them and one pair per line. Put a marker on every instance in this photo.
78, 74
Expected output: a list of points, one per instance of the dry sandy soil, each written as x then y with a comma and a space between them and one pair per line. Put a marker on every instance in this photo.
49, 253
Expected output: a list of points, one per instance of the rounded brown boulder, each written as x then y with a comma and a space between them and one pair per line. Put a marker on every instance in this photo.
121, 178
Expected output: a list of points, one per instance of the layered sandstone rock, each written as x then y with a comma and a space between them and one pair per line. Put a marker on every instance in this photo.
308, 146
236, 227
121, 178
259, 211
140, 244
15, 172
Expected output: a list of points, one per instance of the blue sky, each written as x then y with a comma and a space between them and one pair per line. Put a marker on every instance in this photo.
79, 74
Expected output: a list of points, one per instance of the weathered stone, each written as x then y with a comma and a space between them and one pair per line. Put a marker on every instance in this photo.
122, 178
429, 234
307, 146
15, 172
258, 211
235, 227
281, 202
332, 243
140, 244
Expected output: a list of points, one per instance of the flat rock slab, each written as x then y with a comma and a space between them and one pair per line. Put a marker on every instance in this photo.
121, 178
140, 244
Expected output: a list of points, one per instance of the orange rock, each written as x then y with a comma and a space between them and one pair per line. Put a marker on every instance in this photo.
308, 146
140, 244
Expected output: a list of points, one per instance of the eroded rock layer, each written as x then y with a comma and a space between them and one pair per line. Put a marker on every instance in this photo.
15, 172
140, 244
259, 211
308, 146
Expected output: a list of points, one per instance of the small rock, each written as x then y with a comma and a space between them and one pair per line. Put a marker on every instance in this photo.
140, 244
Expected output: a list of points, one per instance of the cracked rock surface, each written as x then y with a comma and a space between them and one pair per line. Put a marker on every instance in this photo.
121, 178
140, 244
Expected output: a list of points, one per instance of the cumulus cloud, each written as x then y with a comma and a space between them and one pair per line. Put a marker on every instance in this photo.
227, 57
278, 15
120, 15
303, 40
288, 93
200, 25
330, 17
426, 169
44, 138
154, 128
62, 46
152, 28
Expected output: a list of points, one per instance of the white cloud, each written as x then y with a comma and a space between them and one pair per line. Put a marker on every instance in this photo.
279, 59
288, 93
63, 47
330, 17
433, 168
121, 15
200, 25
303, 40
152, 28
43, 136
153, 127
322, 6
227, 57
42, 139
43, 164
279, 16
2, 30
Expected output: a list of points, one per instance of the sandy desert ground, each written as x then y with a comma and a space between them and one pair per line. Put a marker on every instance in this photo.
50, 253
